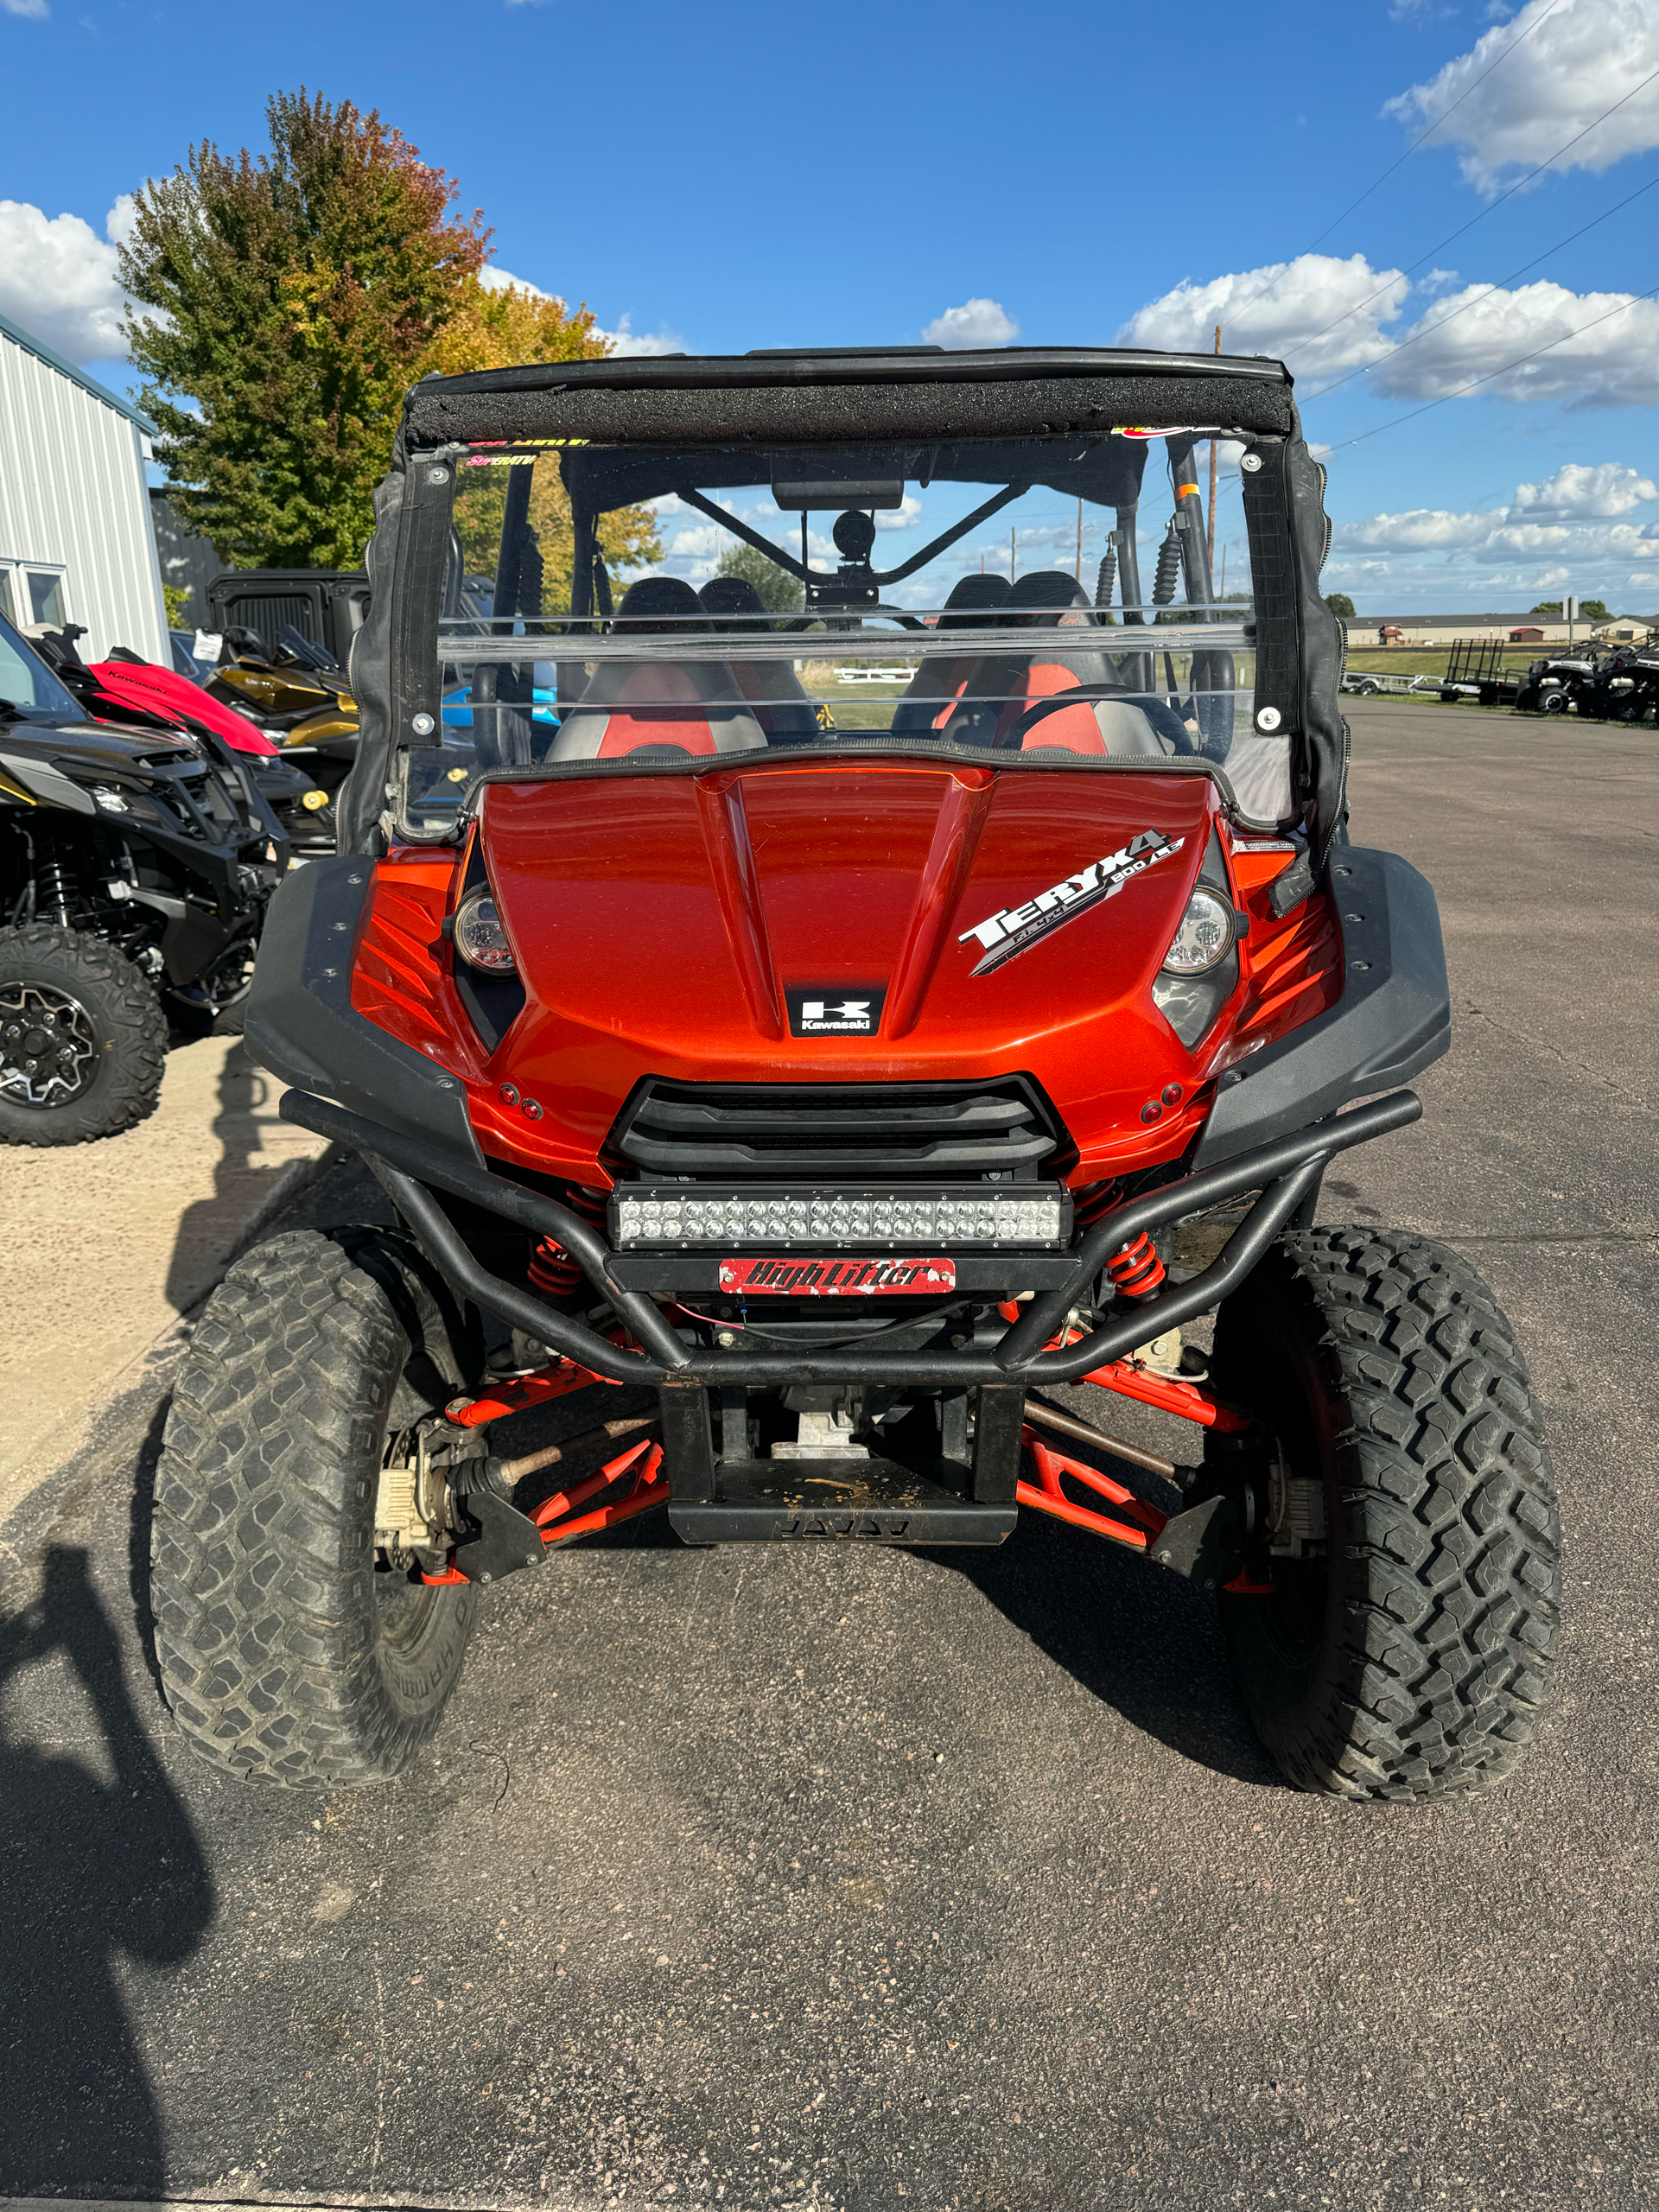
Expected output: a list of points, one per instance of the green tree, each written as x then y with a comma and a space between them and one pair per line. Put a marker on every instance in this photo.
780, 593
1340, 604
1590, 610
297, 296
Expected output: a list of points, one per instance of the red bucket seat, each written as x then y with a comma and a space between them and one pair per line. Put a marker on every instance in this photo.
670, 707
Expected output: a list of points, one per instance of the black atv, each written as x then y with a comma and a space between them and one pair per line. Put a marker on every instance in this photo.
134, 869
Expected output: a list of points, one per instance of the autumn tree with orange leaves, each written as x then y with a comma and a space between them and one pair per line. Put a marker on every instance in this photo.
285, 301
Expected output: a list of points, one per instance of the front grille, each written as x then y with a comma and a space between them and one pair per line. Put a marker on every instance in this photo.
843, 1132
198, 803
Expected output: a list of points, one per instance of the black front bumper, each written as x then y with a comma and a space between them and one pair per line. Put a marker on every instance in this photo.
1286, 1172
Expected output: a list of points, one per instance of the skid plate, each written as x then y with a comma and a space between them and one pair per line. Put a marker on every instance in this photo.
847, 1501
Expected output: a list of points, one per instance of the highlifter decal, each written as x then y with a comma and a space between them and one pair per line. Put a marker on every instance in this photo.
793, 1277
1016, 927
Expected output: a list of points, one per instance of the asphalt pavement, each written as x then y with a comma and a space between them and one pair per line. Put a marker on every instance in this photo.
772, 1878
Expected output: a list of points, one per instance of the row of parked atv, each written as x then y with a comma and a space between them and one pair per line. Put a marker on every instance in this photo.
1617, 684
147, 814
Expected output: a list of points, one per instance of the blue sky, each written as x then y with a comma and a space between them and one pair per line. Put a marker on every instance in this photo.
742, 176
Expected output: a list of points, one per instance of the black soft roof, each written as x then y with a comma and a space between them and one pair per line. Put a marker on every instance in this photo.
829, 394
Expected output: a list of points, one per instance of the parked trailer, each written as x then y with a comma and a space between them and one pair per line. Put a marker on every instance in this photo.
1476, 669
1365, 686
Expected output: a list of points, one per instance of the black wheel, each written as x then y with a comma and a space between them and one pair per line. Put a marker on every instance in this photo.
1554, 702
291, 1650
83, 1039
1406, 1652
215, 1003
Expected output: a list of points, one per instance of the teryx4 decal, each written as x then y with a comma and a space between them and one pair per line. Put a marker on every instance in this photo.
1005, 934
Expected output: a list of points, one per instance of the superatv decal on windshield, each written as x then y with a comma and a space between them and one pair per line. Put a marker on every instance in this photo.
1015, 927
836, 1009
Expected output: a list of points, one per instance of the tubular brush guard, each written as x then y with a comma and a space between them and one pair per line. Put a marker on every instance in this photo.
1286, 1171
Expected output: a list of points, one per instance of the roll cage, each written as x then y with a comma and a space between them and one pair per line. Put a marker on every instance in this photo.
635, 430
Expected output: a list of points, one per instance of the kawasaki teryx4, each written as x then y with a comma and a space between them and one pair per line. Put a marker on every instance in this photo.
135, 862
894, 980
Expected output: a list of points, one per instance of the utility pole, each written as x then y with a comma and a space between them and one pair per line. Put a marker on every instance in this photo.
1079, 541
1013, 571
1212, 482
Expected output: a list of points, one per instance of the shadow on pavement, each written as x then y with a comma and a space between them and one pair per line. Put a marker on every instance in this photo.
201, 1225
246, 1172
94, 1869
1136, 1637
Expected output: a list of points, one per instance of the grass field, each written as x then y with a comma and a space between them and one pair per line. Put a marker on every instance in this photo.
1428, 660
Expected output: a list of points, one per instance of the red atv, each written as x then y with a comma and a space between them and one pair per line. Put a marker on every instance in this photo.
851, 986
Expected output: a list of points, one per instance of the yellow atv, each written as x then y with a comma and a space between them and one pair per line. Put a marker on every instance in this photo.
299, 694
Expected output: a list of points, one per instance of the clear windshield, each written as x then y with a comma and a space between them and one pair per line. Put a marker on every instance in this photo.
26, 683
1028, 602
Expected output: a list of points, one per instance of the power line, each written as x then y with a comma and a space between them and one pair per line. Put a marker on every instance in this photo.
1535, 25
1474, 384
1453, 235
1430, 330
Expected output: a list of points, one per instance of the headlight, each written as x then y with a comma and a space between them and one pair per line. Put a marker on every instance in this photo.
1205, 937
480, 938
112, 802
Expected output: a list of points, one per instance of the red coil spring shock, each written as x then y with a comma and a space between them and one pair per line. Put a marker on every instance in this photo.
552, 1271
1137, 1268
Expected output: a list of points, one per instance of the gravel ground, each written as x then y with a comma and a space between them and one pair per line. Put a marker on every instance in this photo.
159, 1210
773, 1879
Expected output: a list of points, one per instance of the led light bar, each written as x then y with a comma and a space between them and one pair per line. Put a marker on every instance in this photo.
684, 1216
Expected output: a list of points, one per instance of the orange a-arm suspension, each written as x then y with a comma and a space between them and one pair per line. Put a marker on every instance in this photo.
1137, 1270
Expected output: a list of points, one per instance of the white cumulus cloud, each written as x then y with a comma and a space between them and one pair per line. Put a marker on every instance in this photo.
1327, 318
1418, 528
58, 280
1530, 538
1571, 68
908, 511
1280, 309
624, 339
494, 279
1562, 531
36, 8
699, 542
1603, 347
976, 323
1585, 493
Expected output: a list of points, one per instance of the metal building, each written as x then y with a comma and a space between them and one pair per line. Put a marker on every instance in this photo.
76, 540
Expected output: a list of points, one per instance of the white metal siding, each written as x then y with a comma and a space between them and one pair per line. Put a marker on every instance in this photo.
73, 495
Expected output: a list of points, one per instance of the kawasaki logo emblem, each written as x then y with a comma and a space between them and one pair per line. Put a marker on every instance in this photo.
1005, 934
816, 1010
